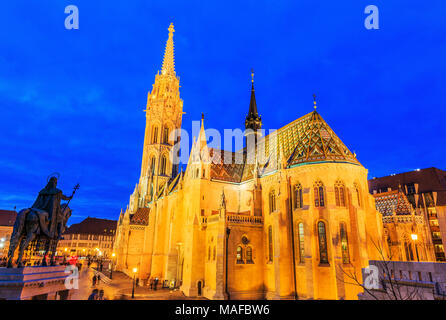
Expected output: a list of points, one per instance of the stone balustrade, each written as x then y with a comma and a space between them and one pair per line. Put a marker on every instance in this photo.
234, 219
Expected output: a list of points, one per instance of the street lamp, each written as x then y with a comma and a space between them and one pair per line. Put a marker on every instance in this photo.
415, 238
134, 276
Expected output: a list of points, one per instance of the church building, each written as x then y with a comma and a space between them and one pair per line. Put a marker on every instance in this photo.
291, 220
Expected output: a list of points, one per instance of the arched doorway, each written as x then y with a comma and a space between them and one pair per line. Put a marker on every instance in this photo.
199, 286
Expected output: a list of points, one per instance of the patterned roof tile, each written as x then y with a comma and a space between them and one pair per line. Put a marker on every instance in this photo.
140, 217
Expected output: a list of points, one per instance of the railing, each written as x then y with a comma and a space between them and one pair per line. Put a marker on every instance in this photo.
403, 219
213, 218
234, 219
242, 219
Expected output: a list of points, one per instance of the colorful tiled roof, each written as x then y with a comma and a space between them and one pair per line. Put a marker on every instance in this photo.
220, 170
140, 217
393, 201
308, 139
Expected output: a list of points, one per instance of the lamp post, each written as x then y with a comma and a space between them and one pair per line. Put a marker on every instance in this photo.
111, 269
133, 288
101, 260
228, 232
414, 239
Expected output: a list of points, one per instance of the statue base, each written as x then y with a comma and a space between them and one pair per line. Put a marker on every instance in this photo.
34, 283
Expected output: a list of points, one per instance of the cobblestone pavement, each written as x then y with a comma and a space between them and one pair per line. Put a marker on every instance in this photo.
120, 287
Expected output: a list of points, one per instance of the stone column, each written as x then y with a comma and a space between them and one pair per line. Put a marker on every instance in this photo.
220, 277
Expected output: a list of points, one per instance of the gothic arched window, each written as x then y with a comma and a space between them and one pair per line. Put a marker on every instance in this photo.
155, 135
344, 243
322, 235
249, 255
152, 165
239, 254
319, 199
358, 193
272, 201
340, 193
163, 165
213, 253
297, 196
409, 252
166, 135
270, 244
301, 239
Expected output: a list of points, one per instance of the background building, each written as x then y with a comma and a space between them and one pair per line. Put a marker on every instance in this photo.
7, 219
405, 229
91, 237
425, 191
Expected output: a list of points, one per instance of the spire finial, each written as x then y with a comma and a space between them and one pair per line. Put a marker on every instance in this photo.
171, 28
314, 101
252, 75
169, 61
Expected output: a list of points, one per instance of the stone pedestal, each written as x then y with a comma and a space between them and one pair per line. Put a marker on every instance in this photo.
34, 283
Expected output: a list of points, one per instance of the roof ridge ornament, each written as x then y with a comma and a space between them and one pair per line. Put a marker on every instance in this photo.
314, 102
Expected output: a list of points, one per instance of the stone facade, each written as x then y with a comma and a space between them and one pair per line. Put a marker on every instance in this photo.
405, 229
36, 283
287, 222
424, 190
7, 219
91, 237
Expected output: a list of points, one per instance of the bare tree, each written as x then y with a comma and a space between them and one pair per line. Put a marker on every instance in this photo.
390, 287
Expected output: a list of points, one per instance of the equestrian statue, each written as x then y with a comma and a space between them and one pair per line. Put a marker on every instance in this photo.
45, 222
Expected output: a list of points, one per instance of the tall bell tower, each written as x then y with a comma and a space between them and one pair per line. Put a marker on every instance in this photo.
164, 111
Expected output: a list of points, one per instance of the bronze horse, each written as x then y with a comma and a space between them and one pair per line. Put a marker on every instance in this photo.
27, 228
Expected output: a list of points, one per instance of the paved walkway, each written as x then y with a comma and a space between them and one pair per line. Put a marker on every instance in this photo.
120, 288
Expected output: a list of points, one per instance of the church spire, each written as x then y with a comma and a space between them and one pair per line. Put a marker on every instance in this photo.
252, 103
253, 122
169, 61
164, 111
202, 135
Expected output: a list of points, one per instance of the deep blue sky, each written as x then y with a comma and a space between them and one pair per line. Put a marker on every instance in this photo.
71, 100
